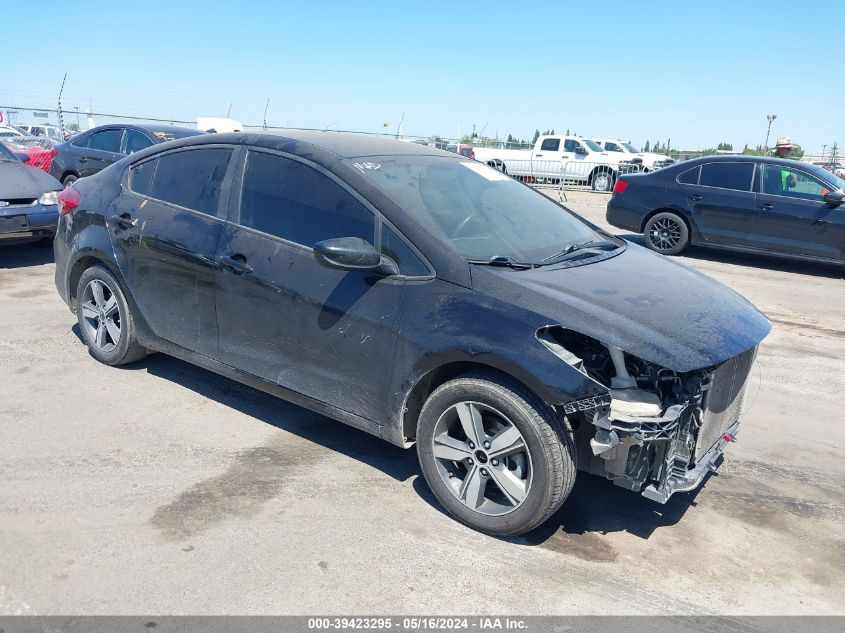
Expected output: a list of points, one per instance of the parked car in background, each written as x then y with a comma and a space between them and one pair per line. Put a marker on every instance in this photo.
8, 130
648, 160
574, 159
422, 297
748, 203
38, 150
28, 201
90, 151
46, 131
459, 148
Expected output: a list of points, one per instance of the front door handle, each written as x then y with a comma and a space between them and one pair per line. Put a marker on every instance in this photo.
124, 220
695, 196
538, 155
236, 264
767, 206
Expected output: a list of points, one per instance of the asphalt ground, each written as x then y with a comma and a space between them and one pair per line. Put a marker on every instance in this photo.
161, 488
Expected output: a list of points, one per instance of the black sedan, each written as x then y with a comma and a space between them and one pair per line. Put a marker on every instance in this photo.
29, 200
89, 152
422, 297
748, 203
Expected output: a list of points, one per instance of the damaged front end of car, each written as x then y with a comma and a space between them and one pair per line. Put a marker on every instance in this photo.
655, 430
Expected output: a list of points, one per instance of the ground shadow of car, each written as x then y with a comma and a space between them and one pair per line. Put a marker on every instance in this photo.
769, 262
27, 254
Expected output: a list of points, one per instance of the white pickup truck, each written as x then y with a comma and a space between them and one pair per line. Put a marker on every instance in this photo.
573, 159
648, 160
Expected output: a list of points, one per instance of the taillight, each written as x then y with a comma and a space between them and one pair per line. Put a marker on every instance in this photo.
69, 200
620, 186
42, 160
472, 154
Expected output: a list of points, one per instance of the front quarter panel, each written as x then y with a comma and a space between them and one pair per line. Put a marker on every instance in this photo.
443, 323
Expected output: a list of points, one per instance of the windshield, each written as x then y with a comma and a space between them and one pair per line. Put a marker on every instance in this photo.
480, 212
630, 148
826, 175
593, 145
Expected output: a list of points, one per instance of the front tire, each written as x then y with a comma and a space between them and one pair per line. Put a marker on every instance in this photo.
105, 320
666, 233
496, 456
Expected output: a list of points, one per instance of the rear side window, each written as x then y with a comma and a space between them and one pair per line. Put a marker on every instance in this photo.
191, 178
735, 176
550, 144
393, 247
285, 198
612, 147
141, 177
134, 141
106, 141
690, 176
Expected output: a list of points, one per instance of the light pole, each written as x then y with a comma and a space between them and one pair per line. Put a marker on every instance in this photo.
770, 117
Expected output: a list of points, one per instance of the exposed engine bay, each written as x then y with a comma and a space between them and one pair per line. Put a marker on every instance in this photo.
656, 431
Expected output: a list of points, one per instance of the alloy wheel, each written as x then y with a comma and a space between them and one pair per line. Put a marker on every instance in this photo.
482, 458
101, 315
602, 182
665, 234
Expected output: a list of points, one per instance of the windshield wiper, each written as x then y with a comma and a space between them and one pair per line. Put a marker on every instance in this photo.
502, 260
574, 248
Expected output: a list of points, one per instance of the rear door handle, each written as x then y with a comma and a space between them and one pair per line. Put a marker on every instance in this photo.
124, 220
695, 196
766, 206
236, 264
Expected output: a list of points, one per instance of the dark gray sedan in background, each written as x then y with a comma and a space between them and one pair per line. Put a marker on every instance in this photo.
747, 203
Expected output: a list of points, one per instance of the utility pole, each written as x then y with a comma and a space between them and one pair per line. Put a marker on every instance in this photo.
824, 147
770, 118
61, 121
265, 112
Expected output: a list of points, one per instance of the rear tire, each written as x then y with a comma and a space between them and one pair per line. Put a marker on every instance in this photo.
603, 181
531, 478
69, 180
666, 233
105, 320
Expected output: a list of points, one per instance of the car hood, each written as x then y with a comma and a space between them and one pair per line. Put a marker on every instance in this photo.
22, 181
644, 303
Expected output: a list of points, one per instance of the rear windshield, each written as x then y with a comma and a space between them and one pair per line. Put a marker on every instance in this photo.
169, 134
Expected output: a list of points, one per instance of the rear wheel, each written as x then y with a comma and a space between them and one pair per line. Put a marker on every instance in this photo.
495, 456
666, 233
105, 321
69, 180
603, 181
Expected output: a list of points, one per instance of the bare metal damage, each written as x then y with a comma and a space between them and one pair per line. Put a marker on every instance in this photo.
656, 431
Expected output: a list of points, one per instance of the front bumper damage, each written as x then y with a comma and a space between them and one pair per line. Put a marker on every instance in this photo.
640, 444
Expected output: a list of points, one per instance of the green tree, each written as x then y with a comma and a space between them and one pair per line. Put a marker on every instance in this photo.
647, 147
536, 136
567, 132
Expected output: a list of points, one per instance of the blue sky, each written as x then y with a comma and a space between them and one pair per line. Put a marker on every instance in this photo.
698, 73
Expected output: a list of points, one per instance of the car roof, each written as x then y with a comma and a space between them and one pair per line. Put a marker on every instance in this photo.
733, 158
335, 144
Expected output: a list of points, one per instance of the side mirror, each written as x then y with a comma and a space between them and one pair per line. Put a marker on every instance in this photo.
352, 253
580, 150
834, 198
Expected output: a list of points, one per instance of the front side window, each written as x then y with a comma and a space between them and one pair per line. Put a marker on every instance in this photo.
477, 211
295, 202
783, 181
191, 178
736, 176
550, 145
393, 247
612, 147
570, 145
106, 141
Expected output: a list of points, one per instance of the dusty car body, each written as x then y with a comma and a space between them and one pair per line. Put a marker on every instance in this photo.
629, 365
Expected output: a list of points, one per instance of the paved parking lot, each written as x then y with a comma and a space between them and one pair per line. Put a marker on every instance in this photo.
163, 489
